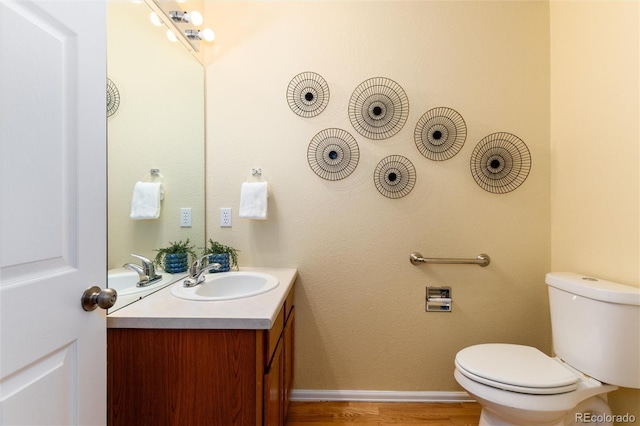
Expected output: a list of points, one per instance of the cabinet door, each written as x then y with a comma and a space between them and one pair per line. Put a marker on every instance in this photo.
185, 377
274, 389
288, 336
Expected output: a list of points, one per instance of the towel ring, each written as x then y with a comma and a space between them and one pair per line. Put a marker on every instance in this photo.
255, 175
154, 175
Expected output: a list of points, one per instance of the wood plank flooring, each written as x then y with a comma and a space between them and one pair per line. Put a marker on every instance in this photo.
376, 414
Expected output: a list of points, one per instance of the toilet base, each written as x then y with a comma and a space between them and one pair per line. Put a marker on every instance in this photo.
492, 418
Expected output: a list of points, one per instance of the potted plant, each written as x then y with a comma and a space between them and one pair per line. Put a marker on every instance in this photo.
224, 255
175, 257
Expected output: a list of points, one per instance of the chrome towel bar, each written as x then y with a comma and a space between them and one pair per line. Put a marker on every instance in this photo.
482, 260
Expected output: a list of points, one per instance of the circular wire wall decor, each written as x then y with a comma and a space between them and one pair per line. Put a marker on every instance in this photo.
333, 154
394, 176
440, 133
500, 163
378, 108
113, 98
308, 94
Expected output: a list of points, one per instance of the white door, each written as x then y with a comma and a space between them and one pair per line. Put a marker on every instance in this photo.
52, 211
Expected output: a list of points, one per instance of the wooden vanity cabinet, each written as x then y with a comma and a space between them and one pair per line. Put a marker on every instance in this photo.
201, 376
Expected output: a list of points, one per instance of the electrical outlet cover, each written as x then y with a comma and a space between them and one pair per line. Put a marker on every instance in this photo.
225, 217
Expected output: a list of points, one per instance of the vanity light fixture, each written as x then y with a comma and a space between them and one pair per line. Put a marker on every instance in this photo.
207, 34
182, 25
179, 16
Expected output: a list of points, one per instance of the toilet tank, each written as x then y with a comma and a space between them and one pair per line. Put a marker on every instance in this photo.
596, 327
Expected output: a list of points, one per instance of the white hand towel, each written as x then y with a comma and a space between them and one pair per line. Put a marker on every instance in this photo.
145, 203
253, 200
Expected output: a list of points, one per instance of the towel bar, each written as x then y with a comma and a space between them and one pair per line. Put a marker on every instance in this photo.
482, 260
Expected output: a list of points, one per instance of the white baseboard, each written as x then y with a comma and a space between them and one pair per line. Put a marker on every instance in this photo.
377, 396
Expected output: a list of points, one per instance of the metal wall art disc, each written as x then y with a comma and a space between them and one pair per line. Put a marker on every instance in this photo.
394, 176
113, 98
440, 133
308, 94
333, 154
378, 108
500, 163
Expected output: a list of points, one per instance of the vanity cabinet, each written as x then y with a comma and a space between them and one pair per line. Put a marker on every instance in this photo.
203, 377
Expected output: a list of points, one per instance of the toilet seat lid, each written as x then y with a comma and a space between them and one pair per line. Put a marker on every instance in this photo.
516, 368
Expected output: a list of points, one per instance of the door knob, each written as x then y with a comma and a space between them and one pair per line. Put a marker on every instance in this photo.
94, 297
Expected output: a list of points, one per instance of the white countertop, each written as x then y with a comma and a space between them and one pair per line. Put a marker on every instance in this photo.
163, 310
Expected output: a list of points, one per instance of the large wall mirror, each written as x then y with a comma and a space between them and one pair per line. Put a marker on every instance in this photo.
156, 121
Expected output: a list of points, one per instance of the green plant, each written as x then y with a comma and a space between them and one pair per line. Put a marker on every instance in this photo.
215, 247
179, 247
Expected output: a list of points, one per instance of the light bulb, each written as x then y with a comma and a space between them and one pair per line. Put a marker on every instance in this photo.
171, 36
196, 18
207, 35
155, 19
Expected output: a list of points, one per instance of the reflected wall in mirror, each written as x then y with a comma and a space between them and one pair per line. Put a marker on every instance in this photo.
159, 124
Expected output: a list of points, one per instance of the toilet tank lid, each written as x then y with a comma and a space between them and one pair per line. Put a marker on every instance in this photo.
594, 288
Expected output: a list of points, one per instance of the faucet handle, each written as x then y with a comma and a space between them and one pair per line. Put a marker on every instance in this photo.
197, 266
147, 264
193, 270
142, 258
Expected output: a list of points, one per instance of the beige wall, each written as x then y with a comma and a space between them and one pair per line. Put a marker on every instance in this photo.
360, 321
160, 124
595, 129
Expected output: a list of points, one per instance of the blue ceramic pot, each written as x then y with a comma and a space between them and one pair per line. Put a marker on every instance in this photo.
174, 263
222, 259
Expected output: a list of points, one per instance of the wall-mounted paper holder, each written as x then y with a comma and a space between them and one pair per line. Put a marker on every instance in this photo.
438, 299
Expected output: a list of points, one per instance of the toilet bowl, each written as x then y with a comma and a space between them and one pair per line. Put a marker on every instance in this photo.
519, 385
595, 328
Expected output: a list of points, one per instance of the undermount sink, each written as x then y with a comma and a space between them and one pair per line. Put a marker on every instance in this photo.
125, 281
227, 286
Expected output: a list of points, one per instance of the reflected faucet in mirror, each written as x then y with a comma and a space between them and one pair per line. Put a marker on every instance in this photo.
146, 272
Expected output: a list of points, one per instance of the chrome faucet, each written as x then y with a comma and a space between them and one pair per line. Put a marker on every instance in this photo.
146, 272
198, 269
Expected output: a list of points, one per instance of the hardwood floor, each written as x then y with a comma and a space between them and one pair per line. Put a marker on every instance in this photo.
392, 413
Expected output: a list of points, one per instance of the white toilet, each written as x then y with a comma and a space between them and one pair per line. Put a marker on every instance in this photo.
596, 339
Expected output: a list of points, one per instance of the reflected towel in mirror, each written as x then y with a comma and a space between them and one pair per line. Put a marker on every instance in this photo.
145, 203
